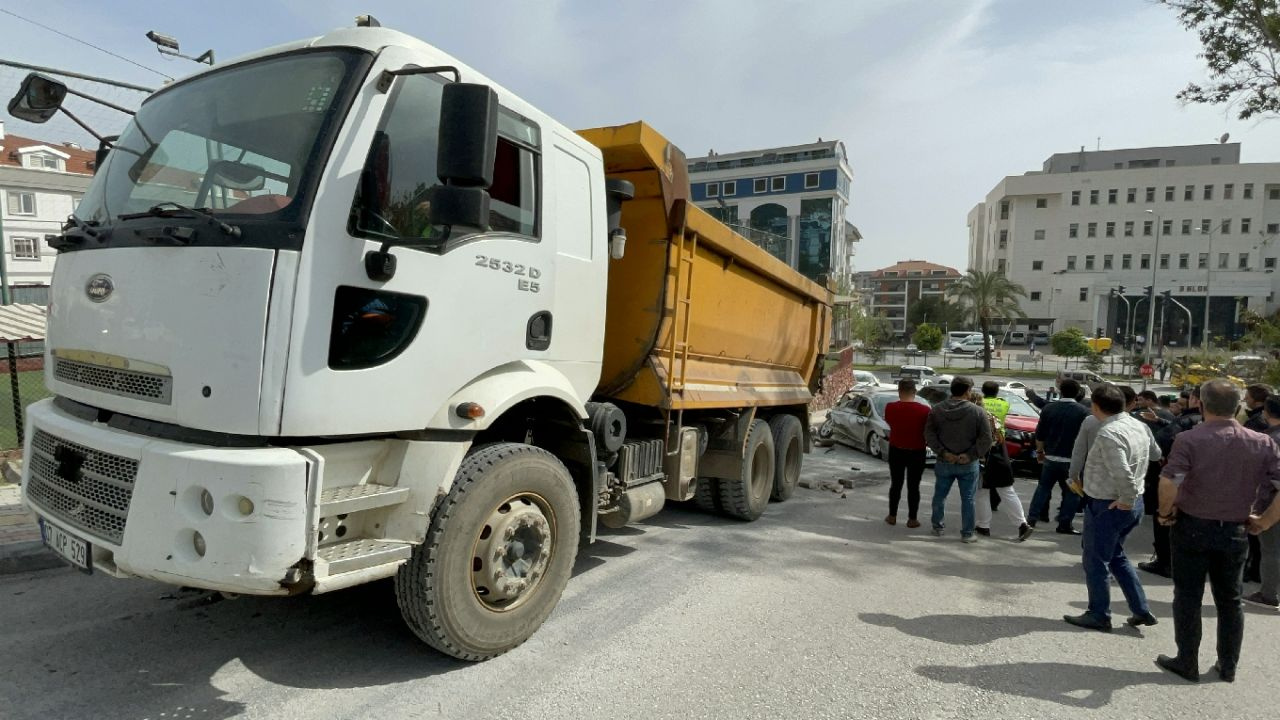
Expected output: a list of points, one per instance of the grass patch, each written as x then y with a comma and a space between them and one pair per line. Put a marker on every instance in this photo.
30, 389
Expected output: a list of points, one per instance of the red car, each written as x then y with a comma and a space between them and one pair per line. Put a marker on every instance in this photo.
1019, 427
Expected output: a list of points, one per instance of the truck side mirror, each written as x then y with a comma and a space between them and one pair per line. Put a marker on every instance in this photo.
38, 99
466, 152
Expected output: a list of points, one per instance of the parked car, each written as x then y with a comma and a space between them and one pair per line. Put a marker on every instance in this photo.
971, 346
1084, 377
1039, 337
1017, 337
923, 375
864, 378
1100, 345
857, 420
913, 351
1016, 387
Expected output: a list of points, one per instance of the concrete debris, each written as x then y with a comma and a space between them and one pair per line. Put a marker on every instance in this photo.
11, 471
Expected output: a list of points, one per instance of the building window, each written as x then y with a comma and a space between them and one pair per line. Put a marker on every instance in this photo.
1145, 262
1168, 193
1131, 195
1084, 294
1106, 262
1111, 229
1000, 265
1073, 230
1093, 197
1071, 262
1273, 228
1128, 228
1202, 262
26, 248
22, 203
1243, 261
1146, 227
42, 161
1151, 194
1166, 227
1189, 192
1245, 224
1088, 262
760, 185
1170, 163
1042, 203
1215, 160
1004, 239
1039, 235
1075, 197
1186, 227
729, 188
1093, 230
1004, 209
1184, 261
1269, 263
778, 183
1164, 261
1208, 192
713, 190
1037, 265
1111, 196
1228, 191
1224, 259
1126, 262
1035, 295
810, 181
1225, 228
1273, 193
1248, 191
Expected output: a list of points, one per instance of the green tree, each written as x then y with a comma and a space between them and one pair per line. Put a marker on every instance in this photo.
873, 331
1069, 343
1093, 361
987, 296
937, 310
928, 338
1241, 41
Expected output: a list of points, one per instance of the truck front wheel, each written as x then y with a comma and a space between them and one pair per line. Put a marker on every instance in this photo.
499, 552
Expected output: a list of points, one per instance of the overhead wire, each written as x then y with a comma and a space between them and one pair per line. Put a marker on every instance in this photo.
84, 42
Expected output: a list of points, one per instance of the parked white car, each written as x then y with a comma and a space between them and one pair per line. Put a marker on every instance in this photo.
864, 379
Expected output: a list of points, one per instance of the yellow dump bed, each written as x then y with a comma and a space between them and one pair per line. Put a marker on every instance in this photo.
698, 316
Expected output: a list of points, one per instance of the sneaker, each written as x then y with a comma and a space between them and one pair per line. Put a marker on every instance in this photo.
1262, 601
891, 520
984, 532
913, 523
968, 538
937, 532
1025, 531
1155, 568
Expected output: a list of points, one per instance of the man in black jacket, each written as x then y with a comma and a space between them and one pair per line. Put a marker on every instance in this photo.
1166, 431
1255, 396
1055, 437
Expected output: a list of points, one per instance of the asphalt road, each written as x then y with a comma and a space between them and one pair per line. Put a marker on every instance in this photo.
818, 610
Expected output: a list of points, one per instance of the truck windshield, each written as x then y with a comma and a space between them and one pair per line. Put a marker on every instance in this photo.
242, 142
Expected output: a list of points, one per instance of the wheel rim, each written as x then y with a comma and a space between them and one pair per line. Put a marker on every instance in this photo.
761, 472
512, 552
873, 445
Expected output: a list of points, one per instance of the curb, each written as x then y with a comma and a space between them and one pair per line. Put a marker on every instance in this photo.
29, 556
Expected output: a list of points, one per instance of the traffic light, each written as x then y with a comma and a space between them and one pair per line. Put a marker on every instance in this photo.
1168, 294
1146, 290
1121, 290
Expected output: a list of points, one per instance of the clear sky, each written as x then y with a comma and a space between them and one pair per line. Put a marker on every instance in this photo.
936, 100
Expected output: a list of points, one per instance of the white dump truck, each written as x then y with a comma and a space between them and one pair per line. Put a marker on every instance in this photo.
345, 309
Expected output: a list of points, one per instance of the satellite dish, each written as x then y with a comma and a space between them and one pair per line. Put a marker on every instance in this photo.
1224, 138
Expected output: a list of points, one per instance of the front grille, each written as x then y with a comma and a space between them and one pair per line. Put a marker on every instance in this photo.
84, 488
126, 383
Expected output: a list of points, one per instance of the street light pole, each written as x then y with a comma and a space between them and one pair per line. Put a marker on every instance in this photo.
1208, 291
1151, 305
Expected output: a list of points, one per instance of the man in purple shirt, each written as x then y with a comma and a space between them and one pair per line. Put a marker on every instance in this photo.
1207, 494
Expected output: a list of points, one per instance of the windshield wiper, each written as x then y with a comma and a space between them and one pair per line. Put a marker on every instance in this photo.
75, 231
172, 209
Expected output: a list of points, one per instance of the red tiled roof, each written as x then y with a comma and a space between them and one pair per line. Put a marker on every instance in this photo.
925, 269
81, 160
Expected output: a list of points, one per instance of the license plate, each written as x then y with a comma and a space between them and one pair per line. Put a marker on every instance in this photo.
67, 546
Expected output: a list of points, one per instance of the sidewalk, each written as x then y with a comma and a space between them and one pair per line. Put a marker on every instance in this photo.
20, 546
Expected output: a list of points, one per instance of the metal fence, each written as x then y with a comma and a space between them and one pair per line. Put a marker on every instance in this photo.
21, 384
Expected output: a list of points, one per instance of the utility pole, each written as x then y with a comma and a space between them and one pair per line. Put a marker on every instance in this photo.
1151, 307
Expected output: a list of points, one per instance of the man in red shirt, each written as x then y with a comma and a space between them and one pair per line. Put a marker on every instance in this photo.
906, 419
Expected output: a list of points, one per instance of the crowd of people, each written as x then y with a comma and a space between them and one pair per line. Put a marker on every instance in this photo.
1204, 464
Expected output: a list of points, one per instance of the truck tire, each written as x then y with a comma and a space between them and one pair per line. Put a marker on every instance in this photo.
746, 496
706, 496
788, 455
497, 555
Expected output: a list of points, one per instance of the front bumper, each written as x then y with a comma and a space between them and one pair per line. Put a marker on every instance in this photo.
143, 504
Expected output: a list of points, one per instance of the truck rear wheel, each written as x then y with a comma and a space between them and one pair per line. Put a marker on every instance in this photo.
706, 496
499, 552
746, 496
788, 455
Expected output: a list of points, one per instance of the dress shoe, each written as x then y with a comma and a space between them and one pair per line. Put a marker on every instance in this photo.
1088, 621
1025, 531
1176, 667
1155, 568
1224, 675
1067, 531
891, 520
985, 532
913, 523
1139, 620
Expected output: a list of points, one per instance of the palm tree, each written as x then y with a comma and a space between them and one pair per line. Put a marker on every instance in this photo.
987, 295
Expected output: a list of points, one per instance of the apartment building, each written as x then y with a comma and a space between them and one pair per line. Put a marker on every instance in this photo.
889, 292
1191, 220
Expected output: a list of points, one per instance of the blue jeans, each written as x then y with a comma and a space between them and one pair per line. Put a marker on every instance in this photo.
1054, 472
945, 475
1103, 541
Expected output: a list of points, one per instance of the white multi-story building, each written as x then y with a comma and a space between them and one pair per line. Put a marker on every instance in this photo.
40, 183
789, 200
1192, 220
890, 292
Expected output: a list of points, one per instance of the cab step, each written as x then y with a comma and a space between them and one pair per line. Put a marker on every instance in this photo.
354, 498
362, 553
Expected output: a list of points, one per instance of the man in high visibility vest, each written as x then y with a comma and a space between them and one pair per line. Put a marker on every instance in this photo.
991, 400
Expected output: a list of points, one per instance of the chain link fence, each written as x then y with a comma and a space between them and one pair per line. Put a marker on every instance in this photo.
21, 384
